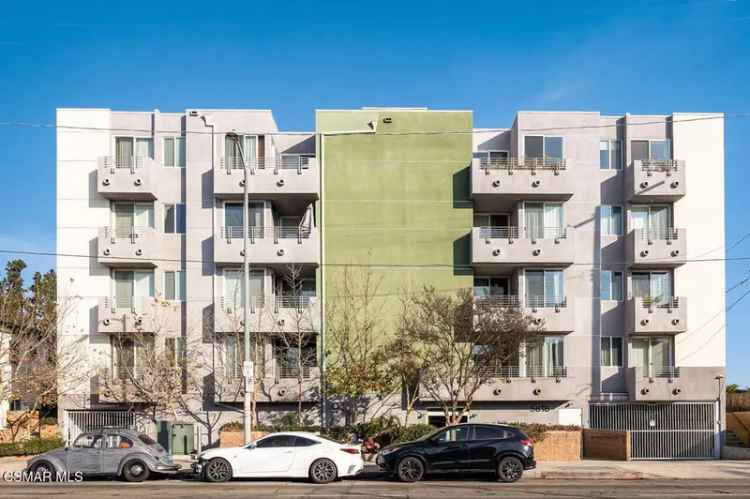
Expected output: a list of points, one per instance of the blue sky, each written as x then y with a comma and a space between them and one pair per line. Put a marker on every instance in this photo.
640, 56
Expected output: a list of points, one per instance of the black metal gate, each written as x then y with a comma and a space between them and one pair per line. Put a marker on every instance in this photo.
662, 430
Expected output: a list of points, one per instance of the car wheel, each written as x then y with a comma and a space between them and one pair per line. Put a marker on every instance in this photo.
509, 469
323, 471
46, 469
410, 469
135, 471
217, 470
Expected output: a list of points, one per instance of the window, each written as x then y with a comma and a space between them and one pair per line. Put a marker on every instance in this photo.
131, 356
658, 150
174, 218
174, 151
277, 441
539, 147
654, 220
295, 161
654, 355
611, 351
175, 350
543, 220
457, 434
611, 285
129, 217
611, 220
489, 433
289, 357
133, 288
174, 285
655, 286
304, 442
544, 288
492, 157
117, 442
87, 441
491, 286
610, 155
251, 150
546, 357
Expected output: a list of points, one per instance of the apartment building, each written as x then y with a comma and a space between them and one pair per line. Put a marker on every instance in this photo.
586, 221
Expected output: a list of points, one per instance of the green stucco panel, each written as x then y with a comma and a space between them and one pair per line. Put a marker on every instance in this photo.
397, 204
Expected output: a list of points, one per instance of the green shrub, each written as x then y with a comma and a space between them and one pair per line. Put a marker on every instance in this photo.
537, 431
233, 426
49, 420
30, 447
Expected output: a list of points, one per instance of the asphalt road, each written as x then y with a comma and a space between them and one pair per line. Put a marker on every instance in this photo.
442, 488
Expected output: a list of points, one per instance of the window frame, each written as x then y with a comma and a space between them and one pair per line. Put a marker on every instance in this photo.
544, 145
650, 152
611, 154
612, 358
177, 227
174, 139
179, 287
620, 231
612, 285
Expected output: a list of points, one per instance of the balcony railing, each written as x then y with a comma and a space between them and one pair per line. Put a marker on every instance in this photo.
294, 301
661, 372
118, 232
660, 302
293, 372
232, 305
545, 302
287, 162
661, 165
237, 232
505, 301
531, 371
658, 234
135, 304
129, 162
554, 164
509, 232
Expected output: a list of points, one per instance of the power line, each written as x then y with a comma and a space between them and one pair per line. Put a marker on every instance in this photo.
23, 124
354, 265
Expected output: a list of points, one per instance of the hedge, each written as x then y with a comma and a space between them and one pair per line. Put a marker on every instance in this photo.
30, 447
538, 431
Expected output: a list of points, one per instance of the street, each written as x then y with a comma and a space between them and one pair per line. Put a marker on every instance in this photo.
442, 488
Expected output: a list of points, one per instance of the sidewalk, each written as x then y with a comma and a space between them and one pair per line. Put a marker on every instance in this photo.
587, 469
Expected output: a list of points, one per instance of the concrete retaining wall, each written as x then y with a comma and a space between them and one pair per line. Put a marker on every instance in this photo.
603, 444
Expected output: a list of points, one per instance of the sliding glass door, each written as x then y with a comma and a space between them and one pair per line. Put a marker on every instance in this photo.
655, 286
657, 220
546, 357
544, 288
654, 355
132, 216
132, 288
543, 220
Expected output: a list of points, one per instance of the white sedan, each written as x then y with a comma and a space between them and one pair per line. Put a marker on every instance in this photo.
282, 455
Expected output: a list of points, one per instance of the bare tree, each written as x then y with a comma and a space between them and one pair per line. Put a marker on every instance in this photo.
293, 334
458, 344
403, 365
35, 369
356, 371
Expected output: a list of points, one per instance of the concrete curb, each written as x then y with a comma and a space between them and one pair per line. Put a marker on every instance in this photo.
590, 475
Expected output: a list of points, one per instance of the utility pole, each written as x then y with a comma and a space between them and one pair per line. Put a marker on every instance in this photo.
247, 366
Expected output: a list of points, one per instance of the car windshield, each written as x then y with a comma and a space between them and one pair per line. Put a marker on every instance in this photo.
146, 439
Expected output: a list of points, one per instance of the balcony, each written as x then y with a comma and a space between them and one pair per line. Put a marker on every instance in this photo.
525, 383
280, 176
133, 178
131, 314
270, 314
134, 246
656, 180
130, 384
268, 245
520, 178
665, 248
512, 247
279, 386
551, 316
672, 383
649, 316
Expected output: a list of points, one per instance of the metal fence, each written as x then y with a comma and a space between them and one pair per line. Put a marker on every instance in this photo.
662, 430
81, 421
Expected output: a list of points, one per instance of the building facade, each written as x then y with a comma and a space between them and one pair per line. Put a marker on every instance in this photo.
586, 221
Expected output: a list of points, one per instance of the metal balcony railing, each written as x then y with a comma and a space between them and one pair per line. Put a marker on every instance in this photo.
553, 164
660, 302
121, 303
661, 165
505, 301
531, 371
120, 163
545, 302
231, 305
286, 162
658, 234
661, 372
277, 233
292, 371
294, 301
119, 233
509, 232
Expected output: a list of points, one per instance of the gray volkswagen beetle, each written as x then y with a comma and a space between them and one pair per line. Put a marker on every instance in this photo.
127, 454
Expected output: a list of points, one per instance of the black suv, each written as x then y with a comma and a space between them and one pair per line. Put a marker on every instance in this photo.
505, 450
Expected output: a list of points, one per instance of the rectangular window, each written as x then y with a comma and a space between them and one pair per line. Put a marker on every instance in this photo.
611, 220
544, 288
611, 351
611, 285
543, 220
545, 357
174, 285
174, 151
492, 158
654, 356
657, 150
175, 351
174, 218
548, 148
610, 155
